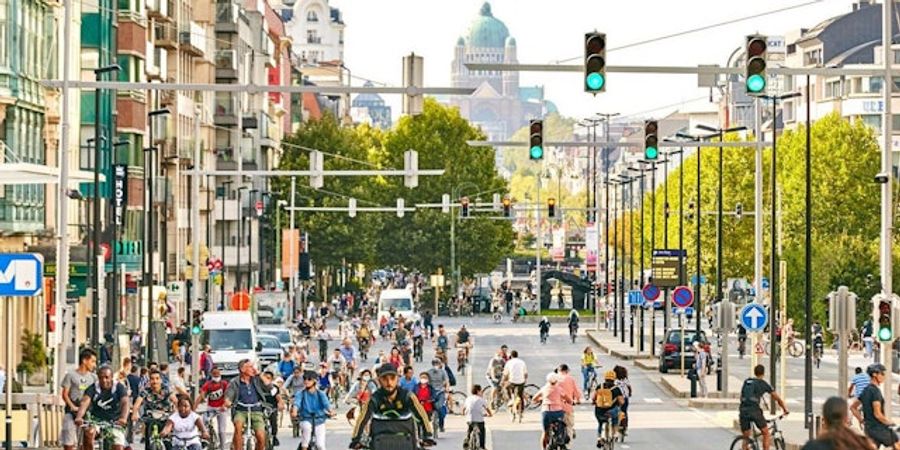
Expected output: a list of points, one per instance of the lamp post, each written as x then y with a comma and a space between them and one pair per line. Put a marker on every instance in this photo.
606, 287
621, 287
149, 171
641, 274
240, 239
773, 282
95, 263
165, 223
251, 201
680, 152
455, 194
225, 186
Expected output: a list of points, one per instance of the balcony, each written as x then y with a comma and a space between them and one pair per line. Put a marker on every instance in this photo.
193, 39
226, 65
225, 160
159, 10
313, 40
164, 36
226, 17
225, 110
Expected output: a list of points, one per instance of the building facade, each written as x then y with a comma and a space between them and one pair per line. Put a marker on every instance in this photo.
500, 106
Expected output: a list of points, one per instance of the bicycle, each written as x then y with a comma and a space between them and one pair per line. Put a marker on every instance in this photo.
151, 422
462, 359
473, 439
544, 336
497, 317
607, 438
208, 417
104, 439
455, 402
818, 348
249, 436
559, 438
418, 353
592, 383
182, 444
573, 331
364, 348
497, 395
753, 443
742, 347
530, 391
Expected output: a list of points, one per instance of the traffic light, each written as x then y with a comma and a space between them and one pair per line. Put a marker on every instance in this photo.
464, 206
594, 62
551, 207
755, 76
651, 151
885, 333
739, 211
536, 150
196, 322
507, 206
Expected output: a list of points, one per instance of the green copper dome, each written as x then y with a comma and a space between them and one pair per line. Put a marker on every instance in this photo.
486, 31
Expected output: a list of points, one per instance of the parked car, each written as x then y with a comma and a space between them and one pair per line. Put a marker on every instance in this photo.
282, 333
268, 349
670, 353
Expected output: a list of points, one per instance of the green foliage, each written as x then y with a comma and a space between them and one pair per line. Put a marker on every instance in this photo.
34, 353
845, 205
420, 239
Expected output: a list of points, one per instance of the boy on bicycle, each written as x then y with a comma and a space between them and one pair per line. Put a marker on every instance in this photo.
750, 411
475, 410
213, 392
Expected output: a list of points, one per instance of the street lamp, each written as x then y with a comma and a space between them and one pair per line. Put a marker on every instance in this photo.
251, 202
455, 195
621, 287
225, 185
681, 280
95, 264
240, 239
149, 168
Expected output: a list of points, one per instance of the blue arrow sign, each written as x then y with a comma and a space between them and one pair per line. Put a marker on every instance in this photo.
21, 274
765, 283
694, 279
754, 317
689, 311
635, 298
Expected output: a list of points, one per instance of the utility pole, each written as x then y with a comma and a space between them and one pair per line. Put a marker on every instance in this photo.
887, 218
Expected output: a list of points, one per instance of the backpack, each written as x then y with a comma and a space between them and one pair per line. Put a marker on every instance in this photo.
604, 398
451, 379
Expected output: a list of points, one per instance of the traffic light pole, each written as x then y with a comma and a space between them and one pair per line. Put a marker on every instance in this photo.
887, 218
196, 264
621, 287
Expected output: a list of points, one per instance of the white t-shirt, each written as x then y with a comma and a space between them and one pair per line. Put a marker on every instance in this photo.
515, 371
185, 428
474, 409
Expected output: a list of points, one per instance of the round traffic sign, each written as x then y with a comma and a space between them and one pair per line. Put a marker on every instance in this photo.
259, 207
240, 301
650, 291
683, 297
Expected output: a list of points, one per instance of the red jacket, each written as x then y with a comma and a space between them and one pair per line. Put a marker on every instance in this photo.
424, 394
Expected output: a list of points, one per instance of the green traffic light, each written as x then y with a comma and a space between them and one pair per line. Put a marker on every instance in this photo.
195, 329
537, 152
651, 153
885, 334
756, 83
595, 81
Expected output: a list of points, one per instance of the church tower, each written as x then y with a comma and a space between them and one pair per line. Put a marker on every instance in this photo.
510, 78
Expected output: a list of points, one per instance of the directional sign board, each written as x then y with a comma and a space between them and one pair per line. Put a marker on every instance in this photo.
21, 274
668, 267
635, 298
754, 317
650, 292
685, 311
683, 297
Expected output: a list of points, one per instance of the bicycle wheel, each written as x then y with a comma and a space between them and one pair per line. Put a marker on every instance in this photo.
795, 349
530, 391
457, 399
213, 442
435, 424
738, 443
474, 439
779, 443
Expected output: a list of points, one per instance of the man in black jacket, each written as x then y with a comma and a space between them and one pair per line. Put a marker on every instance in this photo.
390, 397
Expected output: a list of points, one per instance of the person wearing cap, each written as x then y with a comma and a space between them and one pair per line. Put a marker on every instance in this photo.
878, 427
312, 408
390, 397
750, 409
553, 401
440, 384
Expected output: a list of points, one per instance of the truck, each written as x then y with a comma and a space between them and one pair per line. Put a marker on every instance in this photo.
232, 337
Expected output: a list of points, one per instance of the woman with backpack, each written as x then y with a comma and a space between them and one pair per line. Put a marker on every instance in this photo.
608, 400
625, 386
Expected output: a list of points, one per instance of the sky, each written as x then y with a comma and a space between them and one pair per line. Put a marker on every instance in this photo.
379, 33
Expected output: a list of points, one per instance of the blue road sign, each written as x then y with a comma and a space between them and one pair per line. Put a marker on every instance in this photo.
21, 274
689, 311
635, 298
754, 317
683, 297
650, 292
694, 279
765, 283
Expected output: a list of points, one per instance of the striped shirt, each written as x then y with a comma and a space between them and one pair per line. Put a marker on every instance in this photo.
859, 382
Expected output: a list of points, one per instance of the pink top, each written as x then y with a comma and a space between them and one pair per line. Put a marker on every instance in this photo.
553, 398
570, 388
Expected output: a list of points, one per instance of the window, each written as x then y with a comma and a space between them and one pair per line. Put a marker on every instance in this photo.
873, 121
875, 84
833, 89
312, 37
813, 57
4, 41
312, 16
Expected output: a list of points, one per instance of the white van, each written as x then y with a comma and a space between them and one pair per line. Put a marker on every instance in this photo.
402, 302
232, 336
